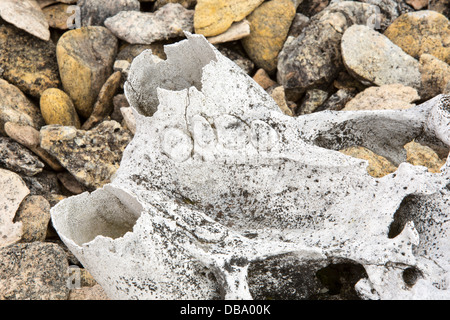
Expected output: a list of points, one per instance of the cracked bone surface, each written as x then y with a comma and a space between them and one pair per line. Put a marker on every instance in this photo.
221, 195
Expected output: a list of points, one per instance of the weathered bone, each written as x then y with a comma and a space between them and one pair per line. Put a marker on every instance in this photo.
218, 184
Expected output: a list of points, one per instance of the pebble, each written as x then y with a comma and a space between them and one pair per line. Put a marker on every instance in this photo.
17, 158
313, 99
263, 79
137, 27
28, 62
44, 184
279, 96
95, 12
33, 271
269, 27
95, 292
17, 108
58, 108
104, 105
420, 155
338, 100
70, 183
385, 97
378, 166
129, 119
14, 190
422, 32
417, 4
93, 156
119, 101
388, 11
34, 213
57, 15
374, 59
213, 17
188, 4
26, 15
435, 76
85, 58
441, 6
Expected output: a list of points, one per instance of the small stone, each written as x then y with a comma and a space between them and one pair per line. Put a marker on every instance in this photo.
33, 271
435, 76
119, 101
269, 26
378, 166
213, 17
131, 51
298, 25
88, 293
314, 98
57, 15
417, 4
338, 100
70, 183
34, 213
129, 119
95, 12
312, 7
15, 157
263, 79
188, 4
104, 105
441, 6
237, 31
375, 60
28, 62
147, 27
420, 155
388, 11
58, 108
280, 98
93, 156
14, 190
43, 184
26, 15
422, 32
17, 108
85, 58
386, 97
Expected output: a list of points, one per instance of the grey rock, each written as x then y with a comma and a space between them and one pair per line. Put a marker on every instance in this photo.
145, 28
44, 184
338, 100
375, 60
17, 158
313, 99
33, 271
95, 12
313, 59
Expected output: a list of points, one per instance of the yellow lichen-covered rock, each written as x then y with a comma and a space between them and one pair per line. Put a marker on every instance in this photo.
420, 155
422, 32
378, 165
213, 17
85, 59
269, 26
435, 76
58, 108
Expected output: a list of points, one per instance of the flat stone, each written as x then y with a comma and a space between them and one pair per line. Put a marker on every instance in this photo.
375, 60
17, 158
313, 99
13, 192
129, 119
385, 97
422, 32
85, 58
34, 213
131, 51
338, 100
17, 108
95, 12
263, 79
57, 15
213, 17
70, 183
313, 59
269, 27
279, 96
93, 156
28, 62
58, 108
147, 27
420, 155
33, 271
435, 76
26, 15
237, 31
43, 184
104, 105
